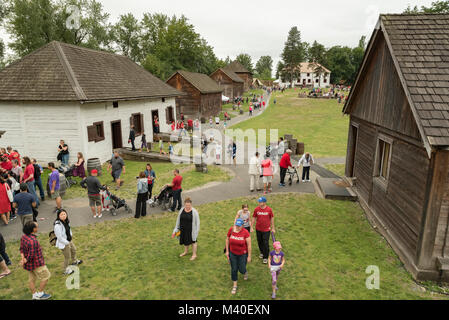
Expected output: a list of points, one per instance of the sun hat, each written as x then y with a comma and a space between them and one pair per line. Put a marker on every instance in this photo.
277, 245
239, 223
262, 200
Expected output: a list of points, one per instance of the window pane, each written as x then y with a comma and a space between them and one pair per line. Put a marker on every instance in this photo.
385, 162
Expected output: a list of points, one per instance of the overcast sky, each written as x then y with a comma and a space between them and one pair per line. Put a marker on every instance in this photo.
261, 27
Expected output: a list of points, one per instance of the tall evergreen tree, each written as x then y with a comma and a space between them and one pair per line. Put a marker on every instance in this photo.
293, 54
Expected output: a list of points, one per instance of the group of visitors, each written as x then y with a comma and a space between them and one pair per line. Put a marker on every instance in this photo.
238, 243
266, 168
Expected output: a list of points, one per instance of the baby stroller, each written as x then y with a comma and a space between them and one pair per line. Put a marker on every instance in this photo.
68, 173
164, 199
292, 172
117, 203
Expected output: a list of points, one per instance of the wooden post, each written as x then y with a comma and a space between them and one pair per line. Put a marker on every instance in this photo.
437, 186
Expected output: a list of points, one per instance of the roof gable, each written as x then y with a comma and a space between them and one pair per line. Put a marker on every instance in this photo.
420, 50
63, 72
231, 75
200, 81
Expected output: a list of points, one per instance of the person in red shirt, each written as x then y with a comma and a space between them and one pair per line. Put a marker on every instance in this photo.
238, 251
173, 126
28, 178
176, 186
284, 164
190, 125
264, 217
13, 155
6, 164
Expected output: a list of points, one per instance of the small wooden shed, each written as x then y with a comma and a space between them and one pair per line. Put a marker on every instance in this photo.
203, 97
398, 147
242, 72
231, 84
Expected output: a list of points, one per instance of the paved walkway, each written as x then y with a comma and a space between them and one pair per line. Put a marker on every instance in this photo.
80, 214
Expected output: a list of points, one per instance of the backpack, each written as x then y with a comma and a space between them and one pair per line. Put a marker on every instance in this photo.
52, 238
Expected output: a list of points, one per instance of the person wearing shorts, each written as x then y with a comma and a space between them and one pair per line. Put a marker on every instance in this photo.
32, 261
267, 172
93, 186
118, 166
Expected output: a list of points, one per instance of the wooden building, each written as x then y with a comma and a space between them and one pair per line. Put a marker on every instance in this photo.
204, 95
398, 150
242, 72
231, 84
86, 97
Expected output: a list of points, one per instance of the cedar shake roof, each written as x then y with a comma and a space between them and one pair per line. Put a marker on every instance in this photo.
310, 67
237, 67
419, 45
232, 75
63, 72
200, 81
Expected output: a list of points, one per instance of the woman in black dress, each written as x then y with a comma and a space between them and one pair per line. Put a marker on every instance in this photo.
188, 227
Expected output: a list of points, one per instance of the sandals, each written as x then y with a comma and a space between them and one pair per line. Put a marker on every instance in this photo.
234, 290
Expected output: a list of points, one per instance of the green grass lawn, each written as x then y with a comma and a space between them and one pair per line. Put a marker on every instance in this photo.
164, 173
318, 123
328, 246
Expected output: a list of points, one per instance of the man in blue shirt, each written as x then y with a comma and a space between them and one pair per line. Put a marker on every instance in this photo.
24, 202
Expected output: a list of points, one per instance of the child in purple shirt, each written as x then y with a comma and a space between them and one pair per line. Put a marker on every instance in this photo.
276, 264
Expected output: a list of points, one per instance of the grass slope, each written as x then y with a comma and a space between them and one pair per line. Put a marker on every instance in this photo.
328, 246
318, 123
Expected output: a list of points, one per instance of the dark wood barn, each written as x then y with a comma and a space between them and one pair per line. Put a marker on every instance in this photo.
398, 150
242, 72
204, 96
231, 84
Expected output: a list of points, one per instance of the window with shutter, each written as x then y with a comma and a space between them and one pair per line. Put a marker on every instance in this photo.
91, 133
99, 131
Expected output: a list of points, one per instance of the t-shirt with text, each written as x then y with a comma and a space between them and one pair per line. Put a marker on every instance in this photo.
264, 217
237, 241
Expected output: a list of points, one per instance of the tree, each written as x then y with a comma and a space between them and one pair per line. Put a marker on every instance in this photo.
126, 34
93, 31
338, 60
435, 7
317, 53
264, 67
33, 24
246, 61
357, 55
170, 44
293, 54
319, 70
279, 71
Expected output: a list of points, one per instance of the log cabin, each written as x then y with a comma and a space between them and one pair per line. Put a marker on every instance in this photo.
398, 145
203, 99
87, 98
242, 72
231, 84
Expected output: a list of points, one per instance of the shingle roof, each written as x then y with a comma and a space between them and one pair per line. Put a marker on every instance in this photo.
63, 72
310, 67
234, 77
420, 45
236, 67
200, 81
